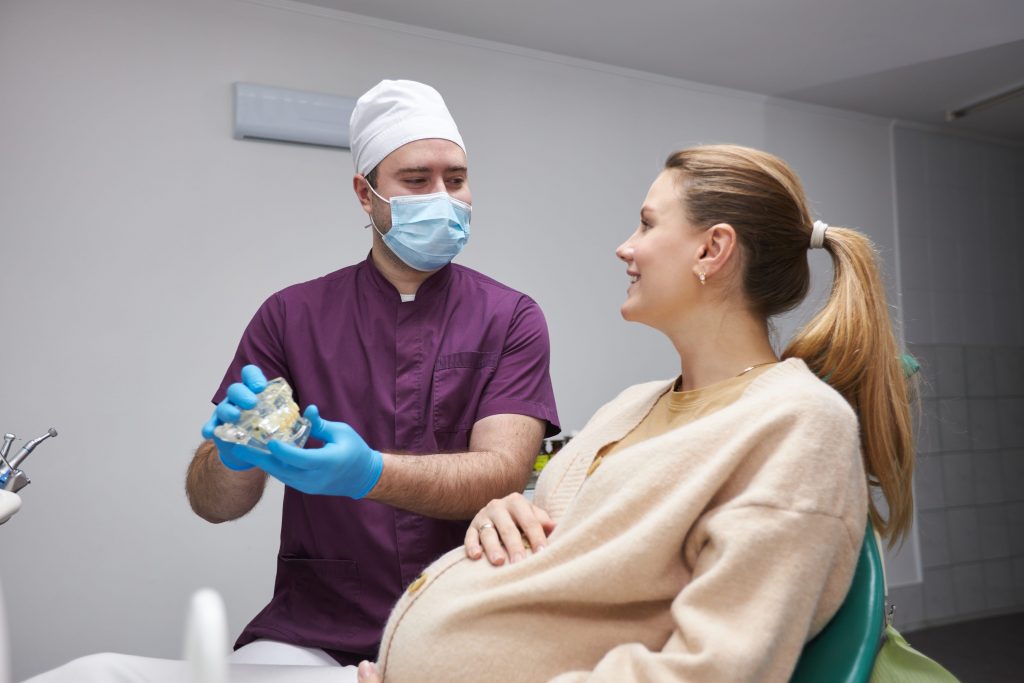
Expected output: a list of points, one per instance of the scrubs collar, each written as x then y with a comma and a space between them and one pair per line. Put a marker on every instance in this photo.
437, 282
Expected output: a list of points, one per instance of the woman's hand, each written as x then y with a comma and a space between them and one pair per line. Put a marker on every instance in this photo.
505, 527
368, 673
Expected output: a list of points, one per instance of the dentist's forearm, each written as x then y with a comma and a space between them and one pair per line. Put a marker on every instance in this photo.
502, 449
218, 494
448, 485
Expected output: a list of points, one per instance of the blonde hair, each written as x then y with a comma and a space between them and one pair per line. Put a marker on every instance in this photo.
850, 342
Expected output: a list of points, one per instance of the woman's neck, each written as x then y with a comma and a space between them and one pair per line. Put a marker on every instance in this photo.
721, 347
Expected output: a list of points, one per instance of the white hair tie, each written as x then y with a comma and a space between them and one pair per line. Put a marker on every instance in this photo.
818, 235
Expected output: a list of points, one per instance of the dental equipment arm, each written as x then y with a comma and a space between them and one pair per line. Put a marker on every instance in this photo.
31, 446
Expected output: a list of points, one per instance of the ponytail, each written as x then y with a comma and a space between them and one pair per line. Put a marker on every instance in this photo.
851, 345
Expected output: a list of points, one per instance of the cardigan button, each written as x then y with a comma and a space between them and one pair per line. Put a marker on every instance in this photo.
417, 584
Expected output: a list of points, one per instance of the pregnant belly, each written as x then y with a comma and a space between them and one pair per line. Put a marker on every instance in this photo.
469, 621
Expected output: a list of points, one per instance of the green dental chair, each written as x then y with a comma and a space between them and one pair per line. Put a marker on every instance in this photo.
845, 650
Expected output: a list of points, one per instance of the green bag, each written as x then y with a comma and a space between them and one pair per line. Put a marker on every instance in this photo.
897, 662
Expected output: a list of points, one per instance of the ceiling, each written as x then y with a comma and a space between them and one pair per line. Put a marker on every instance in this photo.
908, 59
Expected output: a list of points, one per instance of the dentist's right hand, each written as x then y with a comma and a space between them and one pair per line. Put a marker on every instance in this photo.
240, 396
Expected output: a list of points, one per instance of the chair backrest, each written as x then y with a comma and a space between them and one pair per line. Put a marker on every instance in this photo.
845, 650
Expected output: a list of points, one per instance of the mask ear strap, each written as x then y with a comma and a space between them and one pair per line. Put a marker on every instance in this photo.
386, 201
371, 223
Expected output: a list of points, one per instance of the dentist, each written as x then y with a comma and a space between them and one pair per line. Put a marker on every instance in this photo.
437, 374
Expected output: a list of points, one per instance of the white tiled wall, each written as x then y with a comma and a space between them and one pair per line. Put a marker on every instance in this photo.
960, 207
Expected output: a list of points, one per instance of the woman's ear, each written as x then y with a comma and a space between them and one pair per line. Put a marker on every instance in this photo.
716, 251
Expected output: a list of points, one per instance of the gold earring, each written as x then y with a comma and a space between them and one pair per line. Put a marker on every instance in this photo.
702, 278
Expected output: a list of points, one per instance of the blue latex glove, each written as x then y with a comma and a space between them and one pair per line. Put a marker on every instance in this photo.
241, 396
344, 466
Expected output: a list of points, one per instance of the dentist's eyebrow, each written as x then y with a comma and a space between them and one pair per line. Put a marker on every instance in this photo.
428, 169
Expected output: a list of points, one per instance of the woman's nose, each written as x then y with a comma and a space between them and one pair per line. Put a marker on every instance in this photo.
625, 252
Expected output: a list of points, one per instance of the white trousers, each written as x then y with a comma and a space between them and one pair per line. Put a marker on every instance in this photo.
275, 652
266, 663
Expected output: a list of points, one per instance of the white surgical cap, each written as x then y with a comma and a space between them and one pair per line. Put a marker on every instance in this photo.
393, 113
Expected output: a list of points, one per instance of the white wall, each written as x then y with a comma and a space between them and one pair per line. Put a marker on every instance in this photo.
138, 237
961, 221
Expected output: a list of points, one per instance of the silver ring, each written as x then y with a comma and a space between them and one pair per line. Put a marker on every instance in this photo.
485, 525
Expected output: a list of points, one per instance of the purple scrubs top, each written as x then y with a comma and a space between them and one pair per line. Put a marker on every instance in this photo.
410, 377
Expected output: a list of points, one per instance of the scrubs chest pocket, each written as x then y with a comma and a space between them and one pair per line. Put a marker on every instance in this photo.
459, 383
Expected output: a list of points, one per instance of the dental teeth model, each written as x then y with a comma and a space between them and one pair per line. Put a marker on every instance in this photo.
275, 416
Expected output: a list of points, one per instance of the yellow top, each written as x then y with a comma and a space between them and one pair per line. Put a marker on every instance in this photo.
677, 408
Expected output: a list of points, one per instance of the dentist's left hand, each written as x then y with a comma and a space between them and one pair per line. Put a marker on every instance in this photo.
343, 466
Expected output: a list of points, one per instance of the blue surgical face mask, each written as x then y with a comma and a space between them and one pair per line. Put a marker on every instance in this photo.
427, 230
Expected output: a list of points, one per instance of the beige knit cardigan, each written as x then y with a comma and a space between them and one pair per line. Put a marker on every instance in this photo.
709, 553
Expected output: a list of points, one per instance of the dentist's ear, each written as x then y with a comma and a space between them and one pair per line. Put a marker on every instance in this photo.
361, 186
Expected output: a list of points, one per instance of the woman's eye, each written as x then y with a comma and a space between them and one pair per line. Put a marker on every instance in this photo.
644, 226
